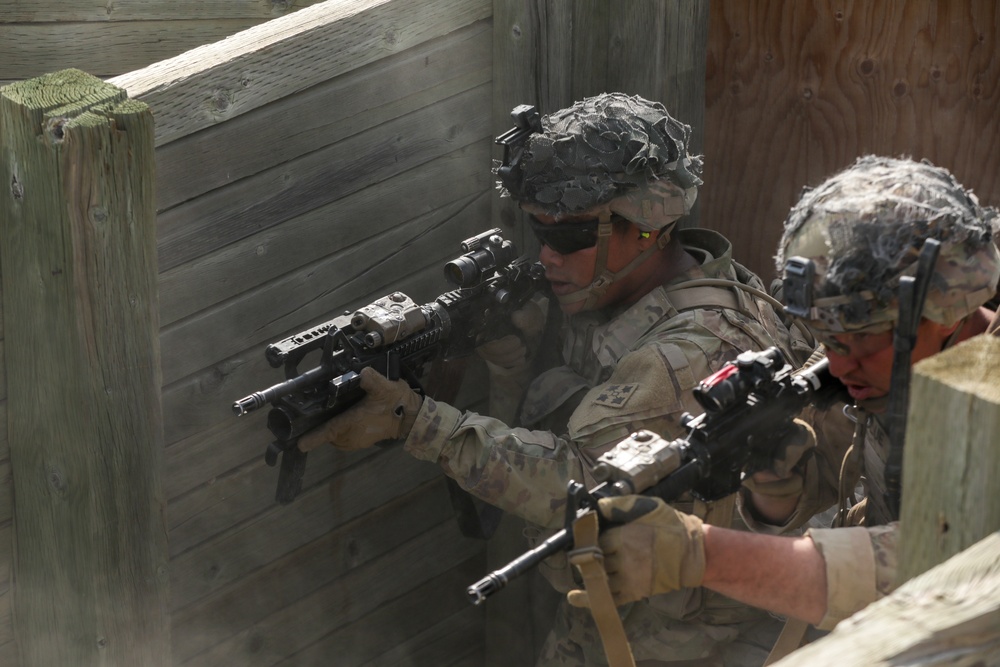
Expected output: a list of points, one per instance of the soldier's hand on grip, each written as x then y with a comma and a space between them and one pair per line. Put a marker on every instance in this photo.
656, 551
510, 354
386, 412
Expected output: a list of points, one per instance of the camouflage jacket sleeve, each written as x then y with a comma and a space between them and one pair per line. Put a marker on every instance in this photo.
525, 472
860, 567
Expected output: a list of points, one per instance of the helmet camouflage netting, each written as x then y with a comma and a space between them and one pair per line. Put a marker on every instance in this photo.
604, 148
863, 230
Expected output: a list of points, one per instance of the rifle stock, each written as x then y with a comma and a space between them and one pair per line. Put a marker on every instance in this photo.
396, 337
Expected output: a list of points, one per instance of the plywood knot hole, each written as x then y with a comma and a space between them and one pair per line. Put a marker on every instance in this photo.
391, 37
516, 31
867, 66
899, 89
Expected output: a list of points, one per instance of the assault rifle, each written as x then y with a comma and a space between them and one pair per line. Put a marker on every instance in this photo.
396, 337
749, 407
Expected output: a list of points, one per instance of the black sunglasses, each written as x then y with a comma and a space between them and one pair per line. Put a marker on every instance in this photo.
567, 237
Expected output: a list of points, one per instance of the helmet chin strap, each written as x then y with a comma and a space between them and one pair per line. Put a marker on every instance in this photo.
603, 277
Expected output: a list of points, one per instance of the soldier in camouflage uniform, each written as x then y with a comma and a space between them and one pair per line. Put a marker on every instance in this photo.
862, 230
650, 310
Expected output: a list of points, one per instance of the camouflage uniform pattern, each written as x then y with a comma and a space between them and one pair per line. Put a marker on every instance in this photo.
623, 371
863, 230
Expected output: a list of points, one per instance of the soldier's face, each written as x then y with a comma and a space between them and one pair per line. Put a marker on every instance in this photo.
571, 272
863, 361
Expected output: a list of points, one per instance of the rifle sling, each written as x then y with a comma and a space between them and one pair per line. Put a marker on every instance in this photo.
588, 559
789, 640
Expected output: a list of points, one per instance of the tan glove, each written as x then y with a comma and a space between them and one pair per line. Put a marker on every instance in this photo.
656, 550
386, 412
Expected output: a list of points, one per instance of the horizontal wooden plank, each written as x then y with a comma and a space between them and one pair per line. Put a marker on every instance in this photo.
243, 493
429, 625
322, 115
280, 530
146, 10
250, 599
285, 191
278, 58
345, 600
444, 187
104, 49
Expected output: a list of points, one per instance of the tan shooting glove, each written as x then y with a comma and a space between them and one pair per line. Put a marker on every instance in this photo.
386, 412
656, 551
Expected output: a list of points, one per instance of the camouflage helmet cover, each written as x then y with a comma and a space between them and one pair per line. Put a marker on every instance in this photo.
614, 149
863, 230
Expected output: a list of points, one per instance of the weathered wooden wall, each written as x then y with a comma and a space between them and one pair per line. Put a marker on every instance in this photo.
348, 164
797, 90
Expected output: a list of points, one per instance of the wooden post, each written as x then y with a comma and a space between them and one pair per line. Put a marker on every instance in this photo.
951, 463
78, 259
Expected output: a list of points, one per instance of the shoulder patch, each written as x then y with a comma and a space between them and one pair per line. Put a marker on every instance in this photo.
615, 395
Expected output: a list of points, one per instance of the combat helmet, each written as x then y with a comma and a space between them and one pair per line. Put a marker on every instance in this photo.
848, 242
612, 154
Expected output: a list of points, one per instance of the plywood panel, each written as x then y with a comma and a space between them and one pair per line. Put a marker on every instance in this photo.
796, 91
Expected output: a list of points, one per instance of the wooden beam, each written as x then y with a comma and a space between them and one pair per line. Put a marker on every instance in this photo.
278, 58
84, 421
952, 462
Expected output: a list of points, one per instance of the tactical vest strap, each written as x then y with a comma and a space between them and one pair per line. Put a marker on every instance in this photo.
587, 557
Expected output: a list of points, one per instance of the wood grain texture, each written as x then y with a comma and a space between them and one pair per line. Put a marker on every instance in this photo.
947, 617
105, 50
50, 11
323, 115
281, 57
80, 275
952, 463
796, 91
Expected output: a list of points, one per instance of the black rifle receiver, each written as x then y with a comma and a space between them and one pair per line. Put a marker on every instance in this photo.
749, 407
396, 337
